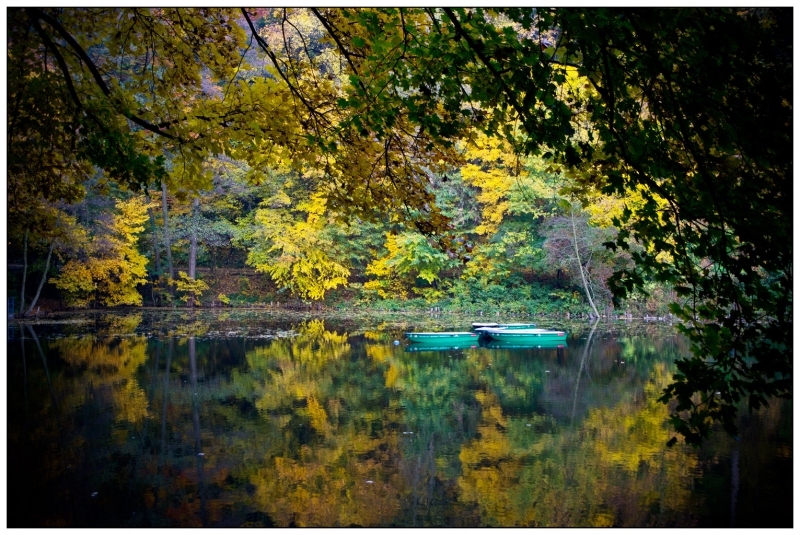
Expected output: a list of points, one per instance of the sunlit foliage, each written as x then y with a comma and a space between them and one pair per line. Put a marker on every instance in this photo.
111, 267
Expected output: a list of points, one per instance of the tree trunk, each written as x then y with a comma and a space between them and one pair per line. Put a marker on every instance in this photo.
580, 265
193, 247
24, 273
156, 249
46, 267
167, 244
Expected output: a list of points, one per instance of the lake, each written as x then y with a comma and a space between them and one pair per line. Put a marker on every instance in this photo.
250, 418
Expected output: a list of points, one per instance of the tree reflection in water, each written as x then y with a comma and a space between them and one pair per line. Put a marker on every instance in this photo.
326, 428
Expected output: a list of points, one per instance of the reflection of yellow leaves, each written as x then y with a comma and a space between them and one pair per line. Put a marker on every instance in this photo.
291, 368
334, 338
322, 491
195, 328
319, 419
130, 402
644, 430
123, 324
391, 376
493, 443
312, 328
377, 335
111, 368
603, 520
379, 353
623, 444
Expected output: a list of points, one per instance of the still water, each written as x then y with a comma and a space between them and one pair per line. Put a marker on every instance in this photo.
169, 419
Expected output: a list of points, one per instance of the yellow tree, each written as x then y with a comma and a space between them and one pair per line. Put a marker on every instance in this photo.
292, 245
111, 267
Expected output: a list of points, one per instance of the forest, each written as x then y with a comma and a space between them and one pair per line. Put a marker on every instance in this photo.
582, 163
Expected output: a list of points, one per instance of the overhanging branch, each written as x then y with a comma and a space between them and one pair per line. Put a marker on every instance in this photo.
37, 14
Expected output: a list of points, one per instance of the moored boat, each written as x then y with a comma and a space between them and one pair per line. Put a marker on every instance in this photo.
442, 338
524, 335
481, 325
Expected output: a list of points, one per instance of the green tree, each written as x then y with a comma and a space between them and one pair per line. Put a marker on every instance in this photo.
410, 256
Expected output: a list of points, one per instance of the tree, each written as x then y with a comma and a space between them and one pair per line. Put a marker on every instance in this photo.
291, 244
515, 194
44, 271
111, 267
43, 163
193, 246
574, 245
167, 236
153, 91
141, 67
410, 256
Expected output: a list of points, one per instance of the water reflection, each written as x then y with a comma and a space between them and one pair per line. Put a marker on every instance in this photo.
307, 424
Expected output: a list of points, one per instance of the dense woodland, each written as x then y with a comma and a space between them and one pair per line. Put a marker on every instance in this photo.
591, 162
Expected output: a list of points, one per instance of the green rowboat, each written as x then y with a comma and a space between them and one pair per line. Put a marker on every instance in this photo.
526, 336
442, 339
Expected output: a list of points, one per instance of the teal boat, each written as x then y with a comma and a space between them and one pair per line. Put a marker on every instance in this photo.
543, 343
527, 336
441, 339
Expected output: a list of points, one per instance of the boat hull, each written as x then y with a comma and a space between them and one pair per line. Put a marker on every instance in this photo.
442, 339
526, 336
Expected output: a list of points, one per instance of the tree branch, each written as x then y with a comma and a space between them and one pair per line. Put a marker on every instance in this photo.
485, 60
265, 47
36, 14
